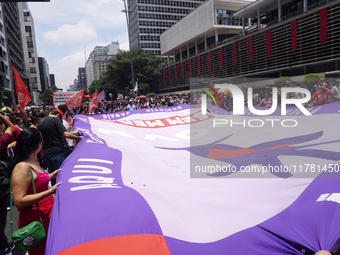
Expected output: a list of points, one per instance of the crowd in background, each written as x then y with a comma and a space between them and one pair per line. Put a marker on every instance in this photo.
322, 92
47, 126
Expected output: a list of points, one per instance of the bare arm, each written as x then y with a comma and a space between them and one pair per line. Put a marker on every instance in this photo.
21, 179
71, 135
12, 145
8, 124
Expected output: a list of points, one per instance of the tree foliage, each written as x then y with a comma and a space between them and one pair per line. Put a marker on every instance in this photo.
45, 96
311, 79
117, 78
282, 81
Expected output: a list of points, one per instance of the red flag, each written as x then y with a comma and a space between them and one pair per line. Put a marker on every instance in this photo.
250, 44
269, 43
101, 96
323, 25
176, 71
75, 100
87, 95
294, 34
23, 95
234, 53
94, 102
199, 63
221, 57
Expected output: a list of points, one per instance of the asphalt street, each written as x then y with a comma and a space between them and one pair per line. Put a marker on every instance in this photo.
15, 227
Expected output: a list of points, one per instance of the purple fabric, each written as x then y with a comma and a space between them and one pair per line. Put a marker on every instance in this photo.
85, 215
120, 115
93, 203
308, 222
254, 241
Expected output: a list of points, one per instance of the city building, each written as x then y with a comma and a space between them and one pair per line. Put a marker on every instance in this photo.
278, 38
5, 78
73, 87
98, 60
148, 19
44, 73
212, 23
52, 80
81, 78
15, 53
30, 51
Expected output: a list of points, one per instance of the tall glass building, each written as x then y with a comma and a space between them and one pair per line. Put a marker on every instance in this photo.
149, 18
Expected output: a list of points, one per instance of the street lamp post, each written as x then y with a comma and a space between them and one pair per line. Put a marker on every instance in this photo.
128, 27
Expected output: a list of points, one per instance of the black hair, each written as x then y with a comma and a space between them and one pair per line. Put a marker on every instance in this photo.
28, 141
54, 113
63, 108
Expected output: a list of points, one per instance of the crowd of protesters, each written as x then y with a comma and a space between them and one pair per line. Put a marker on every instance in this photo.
323, 92
32, 141
54, 128
139, 102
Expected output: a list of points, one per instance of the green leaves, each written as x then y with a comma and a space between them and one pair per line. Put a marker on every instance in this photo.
117, 78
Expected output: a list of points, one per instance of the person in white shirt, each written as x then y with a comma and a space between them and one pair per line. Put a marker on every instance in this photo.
336, 90
131, 106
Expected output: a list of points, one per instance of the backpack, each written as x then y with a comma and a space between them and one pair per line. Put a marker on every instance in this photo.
4, 178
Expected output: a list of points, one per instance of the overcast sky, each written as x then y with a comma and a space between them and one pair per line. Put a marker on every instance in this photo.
68, 30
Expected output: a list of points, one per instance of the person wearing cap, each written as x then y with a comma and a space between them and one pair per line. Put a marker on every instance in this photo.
336, 90
321, 96
20, 113
317, 86
54, 132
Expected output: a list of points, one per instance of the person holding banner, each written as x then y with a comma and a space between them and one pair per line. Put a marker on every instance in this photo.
25, 159
69, 143
54, 132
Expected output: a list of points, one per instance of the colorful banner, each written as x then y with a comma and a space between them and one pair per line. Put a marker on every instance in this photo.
94, 102
127, 187
75, 100
61, 97
102, 96
22, 93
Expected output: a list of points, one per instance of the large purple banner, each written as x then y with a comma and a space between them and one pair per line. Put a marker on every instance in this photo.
128, 187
